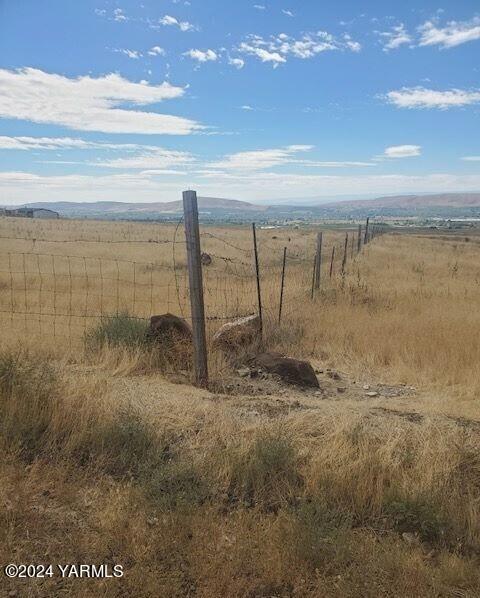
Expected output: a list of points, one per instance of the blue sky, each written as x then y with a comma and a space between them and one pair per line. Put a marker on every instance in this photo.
262, 101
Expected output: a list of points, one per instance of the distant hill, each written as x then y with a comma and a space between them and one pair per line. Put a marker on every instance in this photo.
112, 208
456, 200
442, 205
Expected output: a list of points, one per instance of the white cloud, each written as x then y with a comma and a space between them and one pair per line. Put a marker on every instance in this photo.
471, 158
396, 37
420, 97
238, 63
135, 54
89, 104
276, 49
156, 51
168, 20
351, 44
260, 159
453, 34
259, 6
49, 143
119, 15
288, 13
202, 55
153, 158
247, 107
402, 151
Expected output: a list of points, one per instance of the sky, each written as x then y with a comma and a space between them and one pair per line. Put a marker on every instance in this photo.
264, 101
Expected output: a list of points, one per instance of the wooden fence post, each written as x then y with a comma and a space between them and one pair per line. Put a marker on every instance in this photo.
192, 236
344, 261
318, 261
257, 273
365, 239
282, 284
359, 239
352, 246
331, 261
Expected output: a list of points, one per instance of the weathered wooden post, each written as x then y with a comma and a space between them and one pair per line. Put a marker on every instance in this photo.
192, 236
344, 261
318, 261
282, 284
359, 239
331, 261
365, 239
257, 273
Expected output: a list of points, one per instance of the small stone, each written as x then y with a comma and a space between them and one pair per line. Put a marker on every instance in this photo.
366, 387
372, 393
318, 393
152, 521
243, 372
334, 375
341, 389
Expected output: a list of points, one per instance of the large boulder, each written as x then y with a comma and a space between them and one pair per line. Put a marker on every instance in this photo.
169, 330
291, 370
239, 334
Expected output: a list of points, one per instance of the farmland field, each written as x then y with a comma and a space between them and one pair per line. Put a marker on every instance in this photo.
369, 486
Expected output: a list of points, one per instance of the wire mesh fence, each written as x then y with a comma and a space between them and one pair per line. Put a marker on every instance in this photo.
56, 287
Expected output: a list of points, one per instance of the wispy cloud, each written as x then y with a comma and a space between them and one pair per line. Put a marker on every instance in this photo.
152, 158
202, 55
260, 159
168, 20
259, 6
394, 38
119, 15
402, 151
420, 97
277, 48
44, 143
471, 158
452, 34
134, 54
287, 13
89, 104
238, 63
156, 51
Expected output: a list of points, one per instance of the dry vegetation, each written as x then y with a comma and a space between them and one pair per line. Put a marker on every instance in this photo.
270, 492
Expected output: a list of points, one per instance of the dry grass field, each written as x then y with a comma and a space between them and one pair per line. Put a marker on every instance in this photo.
251, 488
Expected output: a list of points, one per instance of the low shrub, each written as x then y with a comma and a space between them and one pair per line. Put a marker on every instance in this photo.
28, 397
416, 516
120, 330
266, 474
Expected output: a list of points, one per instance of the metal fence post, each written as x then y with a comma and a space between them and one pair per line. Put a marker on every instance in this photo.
257, 272
331, 261
344, 261
282, 284
318, 261
192, 236
365, 239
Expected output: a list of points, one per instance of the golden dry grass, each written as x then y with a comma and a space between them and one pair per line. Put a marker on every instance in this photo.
203, 494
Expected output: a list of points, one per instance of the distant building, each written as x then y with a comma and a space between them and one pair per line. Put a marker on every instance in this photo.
31, 213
